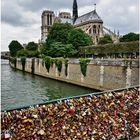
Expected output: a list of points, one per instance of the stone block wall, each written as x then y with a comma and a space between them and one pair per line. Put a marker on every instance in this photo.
101, 74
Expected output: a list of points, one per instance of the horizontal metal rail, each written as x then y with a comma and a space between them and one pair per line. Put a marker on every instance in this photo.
72, 97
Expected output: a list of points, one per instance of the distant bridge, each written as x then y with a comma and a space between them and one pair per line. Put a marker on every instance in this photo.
5, 55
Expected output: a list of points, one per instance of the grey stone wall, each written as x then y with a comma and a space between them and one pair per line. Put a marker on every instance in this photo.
101, 74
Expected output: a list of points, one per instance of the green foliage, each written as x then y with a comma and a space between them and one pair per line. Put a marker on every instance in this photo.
63, 41
58, 49
69, 51
32, 49
43, 48
59, 33
105, 40
27, 53
13, 60
52, 61
23, 62
33, 53
108, 49
58, 63
83, 65
32, 46
77, 38
22, 52
129, 37
14, 47
66, 66
47, 61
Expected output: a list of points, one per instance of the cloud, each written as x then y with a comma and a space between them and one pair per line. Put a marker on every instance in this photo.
52, 4
21, 19
120, 14
13, 14
23, 35
44, 4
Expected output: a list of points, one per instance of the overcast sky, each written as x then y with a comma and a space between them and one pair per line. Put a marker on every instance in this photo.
21, 19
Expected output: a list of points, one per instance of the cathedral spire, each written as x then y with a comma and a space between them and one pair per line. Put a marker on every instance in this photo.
75, 10
95, 6
118, 33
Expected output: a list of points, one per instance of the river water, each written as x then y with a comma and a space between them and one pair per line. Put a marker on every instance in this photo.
20, 89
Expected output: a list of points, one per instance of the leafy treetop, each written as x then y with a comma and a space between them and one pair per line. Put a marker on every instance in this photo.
14, 47
59, 33
64, 40
129, 37
32, 46
57, 49
31, 50
78, 38
105, 40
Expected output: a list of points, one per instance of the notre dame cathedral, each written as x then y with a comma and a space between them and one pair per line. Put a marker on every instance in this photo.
90, 23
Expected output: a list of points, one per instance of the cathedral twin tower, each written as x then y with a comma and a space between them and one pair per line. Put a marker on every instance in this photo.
90, 23
48, 18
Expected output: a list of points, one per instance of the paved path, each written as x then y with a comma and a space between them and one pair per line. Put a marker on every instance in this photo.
137, 138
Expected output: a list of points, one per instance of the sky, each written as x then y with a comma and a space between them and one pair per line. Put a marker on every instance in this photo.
21, 19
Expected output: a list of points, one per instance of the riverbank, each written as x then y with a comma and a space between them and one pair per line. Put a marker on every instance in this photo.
101, 74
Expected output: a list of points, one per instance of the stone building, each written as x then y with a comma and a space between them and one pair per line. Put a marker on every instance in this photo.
90, 23
47, 22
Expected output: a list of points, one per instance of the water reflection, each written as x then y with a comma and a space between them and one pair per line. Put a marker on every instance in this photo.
21, 89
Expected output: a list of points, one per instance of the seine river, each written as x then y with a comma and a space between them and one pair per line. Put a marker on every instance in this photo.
20, 89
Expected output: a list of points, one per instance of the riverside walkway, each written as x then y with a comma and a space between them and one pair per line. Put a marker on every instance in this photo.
137, 138
110, 115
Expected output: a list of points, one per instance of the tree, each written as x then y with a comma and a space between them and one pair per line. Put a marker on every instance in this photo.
32, 49
43, 49
31, 46
105, 40
59, 33
14, 47
64, 40
129, 37
22, 52
57, 49
78, 38
33, 53
69, 50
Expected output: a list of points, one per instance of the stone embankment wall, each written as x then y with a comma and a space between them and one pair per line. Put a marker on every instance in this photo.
101, 74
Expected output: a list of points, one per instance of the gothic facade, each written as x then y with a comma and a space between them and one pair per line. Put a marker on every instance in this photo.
90, 23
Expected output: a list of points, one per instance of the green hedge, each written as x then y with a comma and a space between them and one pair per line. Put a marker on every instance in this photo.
119, 48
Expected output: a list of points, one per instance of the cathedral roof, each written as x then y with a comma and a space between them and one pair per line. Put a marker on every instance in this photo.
66, 20
63, 20
91, 16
